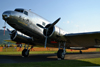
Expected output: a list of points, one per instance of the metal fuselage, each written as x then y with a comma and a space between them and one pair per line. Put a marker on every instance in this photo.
27, 24
35, 27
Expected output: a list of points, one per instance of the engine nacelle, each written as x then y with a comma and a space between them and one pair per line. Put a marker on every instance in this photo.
15, 36
50, 31
54, 33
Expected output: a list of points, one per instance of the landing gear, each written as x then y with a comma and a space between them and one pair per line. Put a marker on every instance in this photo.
61, 52
25, 52
80, 52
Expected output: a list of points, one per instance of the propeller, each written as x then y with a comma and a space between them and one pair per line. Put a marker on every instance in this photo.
46, 37
9, 31
54, 23
41, 26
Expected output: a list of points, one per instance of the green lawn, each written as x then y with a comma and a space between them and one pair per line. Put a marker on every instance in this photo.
92, 60
34, 52
58, 63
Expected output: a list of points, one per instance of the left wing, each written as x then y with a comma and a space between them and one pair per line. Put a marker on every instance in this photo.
83, 39
10, 41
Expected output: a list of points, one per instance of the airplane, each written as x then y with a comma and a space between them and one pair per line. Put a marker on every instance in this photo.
38, 31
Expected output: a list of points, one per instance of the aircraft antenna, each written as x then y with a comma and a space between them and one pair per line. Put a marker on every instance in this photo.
29, 9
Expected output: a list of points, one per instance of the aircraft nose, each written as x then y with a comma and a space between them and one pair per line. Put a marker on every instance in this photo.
6, 15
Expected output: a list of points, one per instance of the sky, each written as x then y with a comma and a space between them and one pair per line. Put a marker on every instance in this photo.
76, 15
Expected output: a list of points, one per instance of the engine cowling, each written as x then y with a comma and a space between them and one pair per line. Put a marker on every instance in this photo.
15, 36
54, 33
50, 31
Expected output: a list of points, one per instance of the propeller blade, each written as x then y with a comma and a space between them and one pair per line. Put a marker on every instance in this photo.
46, 41
41, 26
9, 31
54, 23
46, 37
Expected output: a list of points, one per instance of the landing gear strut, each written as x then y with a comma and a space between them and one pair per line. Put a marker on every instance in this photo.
61, 52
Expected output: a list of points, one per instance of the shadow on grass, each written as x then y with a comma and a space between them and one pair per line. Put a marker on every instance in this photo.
61, 63
45, 60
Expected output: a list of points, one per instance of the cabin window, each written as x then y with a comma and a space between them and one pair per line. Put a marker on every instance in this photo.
43, 23
25, 12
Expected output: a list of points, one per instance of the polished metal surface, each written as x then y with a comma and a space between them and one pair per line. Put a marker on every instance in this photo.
28, 23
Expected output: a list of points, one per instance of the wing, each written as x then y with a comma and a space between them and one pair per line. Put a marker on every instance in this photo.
83, 39
10, 41
13, 42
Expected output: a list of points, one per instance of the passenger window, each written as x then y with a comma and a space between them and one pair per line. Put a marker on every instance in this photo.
43, 23
25, 12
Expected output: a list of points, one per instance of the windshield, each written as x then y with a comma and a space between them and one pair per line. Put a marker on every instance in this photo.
22, 11
19, 10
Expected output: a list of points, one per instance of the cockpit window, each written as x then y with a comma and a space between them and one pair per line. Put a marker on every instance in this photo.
25, 12
22, 11
19, 10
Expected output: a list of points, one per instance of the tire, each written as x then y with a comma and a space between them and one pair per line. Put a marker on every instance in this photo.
23, 53
60, 54
80, 52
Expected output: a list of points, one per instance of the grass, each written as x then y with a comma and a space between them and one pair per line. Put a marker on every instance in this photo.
92, 60
58, 63
61, 63
34, 52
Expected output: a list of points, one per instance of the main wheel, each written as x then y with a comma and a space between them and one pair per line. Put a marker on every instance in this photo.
80, 52
60, 54
25, 53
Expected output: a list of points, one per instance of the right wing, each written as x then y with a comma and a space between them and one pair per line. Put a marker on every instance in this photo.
87, 40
